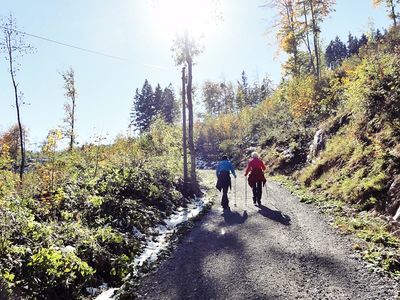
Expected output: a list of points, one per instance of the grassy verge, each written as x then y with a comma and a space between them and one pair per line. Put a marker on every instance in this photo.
375, 244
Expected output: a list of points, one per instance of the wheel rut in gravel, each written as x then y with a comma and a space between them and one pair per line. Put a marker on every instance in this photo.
282, 249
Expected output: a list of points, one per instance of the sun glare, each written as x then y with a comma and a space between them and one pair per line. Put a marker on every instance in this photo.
198, 17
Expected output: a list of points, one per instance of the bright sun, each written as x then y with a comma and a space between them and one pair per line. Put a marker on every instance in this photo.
198, 17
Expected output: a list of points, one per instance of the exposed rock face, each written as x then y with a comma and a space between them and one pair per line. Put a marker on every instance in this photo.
317, 145
320, 137
394, 202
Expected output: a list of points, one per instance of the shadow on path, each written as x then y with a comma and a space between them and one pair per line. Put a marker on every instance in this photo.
274, 215
234, 218
205, 266
323, 267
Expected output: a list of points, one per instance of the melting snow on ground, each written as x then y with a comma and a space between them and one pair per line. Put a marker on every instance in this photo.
160, 239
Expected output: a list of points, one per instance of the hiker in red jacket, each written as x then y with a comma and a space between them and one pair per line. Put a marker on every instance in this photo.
256, 179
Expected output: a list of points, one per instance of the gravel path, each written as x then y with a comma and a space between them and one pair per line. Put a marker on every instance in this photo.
280, 250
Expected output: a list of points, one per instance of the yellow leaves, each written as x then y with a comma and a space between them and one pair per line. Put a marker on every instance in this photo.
8, 179
225, 123
301, 95
52, 138
266, 107
288, 42
96, 201
5, 150
222, 127
5, 158
376, 3
9, 277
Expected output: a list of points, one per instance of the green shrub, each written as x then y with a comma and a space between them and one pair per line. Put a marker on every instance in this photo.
71, 224
55, 271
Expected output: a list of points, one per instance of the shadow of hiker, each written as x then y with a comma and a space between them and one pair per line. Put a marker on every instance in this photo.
274, 215
234, 218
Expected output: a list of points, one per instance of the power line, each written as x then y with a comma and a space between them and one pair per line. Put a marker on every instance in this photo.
64, 44
83, 49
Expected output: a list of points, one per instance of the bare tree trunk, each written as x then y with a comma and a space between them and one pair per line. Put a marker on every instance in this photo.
72, 137
393, 13
189, 62
184, 139
289, 14
307, 38
14, 42
71, 94
315, 35
17, 106
190, 119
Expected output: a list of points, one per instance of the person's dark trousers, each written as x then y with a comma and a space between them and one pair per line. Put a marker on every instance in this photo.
225, 201
257, 192
223, 184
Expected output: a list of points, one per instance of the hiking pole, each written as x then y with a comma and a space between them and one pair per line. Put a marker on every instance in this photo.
245, 191
235, 192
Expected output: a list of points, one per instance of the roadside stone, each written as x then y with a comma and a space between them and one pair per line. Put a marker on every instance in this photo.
394, 201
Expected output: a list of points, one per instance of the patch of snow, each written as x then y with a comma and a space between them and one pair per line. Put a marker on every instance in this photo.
250, 149
153, 246
288, 153
201, 164
106, 295
68, 249
205, 165
92, 291
136, 232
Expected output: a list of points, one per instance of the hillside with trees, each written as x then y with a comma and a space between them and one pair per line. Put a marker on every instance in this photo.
332, 126
74, 217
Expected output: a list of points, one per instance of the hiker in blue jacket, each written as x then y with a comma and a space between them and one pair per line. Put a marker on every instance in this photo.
223, 171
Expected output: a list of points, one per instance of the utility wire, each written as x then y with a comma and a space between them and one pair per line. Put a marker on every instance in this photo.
64, 44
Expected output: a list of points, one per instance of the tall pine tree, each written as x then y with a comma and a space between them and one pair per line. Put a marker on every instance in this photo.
143, 111
158, 101
169, 106
243, 92
335, 53
352, 45
266, 88
149, 104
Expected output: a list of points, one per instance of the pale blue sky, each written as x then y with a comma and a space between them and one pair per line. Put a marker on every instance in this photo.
127, 28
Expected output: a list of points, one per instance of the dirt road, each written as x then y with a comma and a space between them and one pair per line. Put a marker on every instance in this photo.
282, 249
